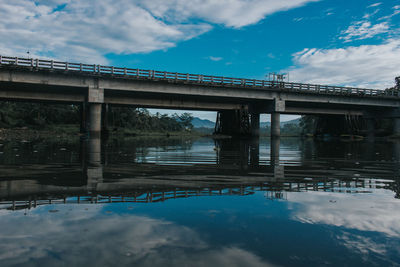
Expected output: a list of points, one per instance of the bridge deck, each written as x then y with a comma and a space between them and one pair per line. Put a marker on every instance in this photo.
186, 78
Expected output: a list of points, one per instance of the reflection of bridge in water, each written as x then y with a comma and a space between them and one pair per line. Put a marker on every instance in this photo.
104, 182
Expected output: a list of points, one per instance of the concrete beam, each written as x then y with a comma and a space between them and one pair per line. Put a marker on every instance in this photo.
330, 111
41, 96
95, 95
170, 103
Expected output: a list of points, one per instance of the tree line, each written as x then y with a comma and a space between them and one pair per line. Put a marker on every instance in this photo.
39, 115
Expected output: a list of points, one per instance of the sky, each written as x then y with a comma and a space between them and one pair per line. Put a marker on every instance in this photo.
335, 42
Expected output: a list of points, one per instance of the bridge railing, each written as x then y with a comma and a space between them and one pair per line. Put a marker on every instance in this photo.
191, 78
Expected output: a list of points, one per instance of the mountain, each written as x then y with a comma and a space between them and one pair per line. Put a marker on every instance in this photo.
202, 123
268, 124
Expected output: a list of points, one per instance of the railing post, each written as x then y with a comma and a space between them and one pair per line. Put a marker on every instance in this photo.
66, 65
16, 61
187, 77
52, 64
94, 67
37, 63
80, 67
1, 60
32, 62
125, 72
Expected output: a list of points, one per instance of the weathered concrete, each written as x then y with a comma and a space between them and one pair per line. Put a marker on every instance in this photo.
275, 124
94, 120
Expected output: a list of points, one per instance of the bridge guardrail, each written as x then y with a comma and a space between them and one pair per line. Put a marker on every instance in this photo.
192, 78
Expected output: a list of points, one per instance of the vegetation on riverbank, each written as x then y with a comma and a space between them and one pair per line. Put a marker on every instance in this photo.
34, 120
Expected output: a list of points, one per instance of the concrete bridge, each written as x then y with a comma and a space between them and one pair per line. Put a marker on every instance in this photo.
239, 102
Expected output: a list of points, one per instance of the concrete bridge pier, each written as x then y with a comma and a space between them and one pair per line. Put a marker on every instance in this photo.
95, 120
96, 100
275, 125
233, 122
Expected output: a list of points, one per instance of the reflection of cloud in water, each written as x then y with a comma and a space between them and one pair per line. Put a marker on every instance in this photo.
98, 239
376, 212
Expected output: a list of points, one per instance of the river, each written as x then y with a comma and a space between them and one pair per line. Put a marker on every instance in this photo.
199, 202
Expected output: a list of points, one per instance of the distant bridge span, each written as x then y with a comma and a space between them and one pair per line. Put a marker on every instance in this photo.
96, 85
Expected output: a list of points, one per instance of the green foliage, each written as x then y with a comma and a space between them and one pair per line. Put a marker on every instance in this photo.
141, 119
15, 114
38, 115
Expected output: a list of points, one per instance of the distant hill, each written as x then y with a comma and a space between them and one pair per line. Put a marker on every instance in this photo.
268, 124
202, 123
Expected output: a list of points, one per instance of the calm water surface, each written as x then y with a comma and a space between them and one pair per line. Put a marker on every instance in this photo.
182, 202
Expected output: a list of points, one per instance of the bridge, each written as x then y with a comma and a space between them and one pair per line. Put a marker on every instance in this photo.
239, 102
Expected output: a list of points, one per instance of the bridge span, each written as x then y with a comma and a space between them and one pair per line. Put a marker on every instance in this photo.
239, 102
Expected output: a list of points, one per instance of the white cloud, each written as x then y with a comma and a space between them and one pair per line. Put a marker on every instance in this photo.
231, 13
215, 58
373, 66
363, 30
374, 5
87, 30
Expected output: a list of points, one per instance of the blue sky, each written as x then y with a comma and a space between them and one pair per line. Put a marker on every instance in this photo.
351, 43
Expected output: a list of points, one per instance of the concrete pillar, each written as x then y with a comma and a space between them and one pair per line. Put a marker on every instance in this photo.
255, 124
275, 124
275, 146
94, 151
370, 128
396, 126
94, 120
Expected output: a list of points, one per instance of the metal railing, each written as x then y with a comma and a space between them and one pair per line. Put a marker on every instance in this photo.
273, 191
192, 78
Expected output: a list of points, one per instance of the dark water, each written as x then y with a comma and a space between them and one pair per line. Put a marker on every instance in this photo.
173, 202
